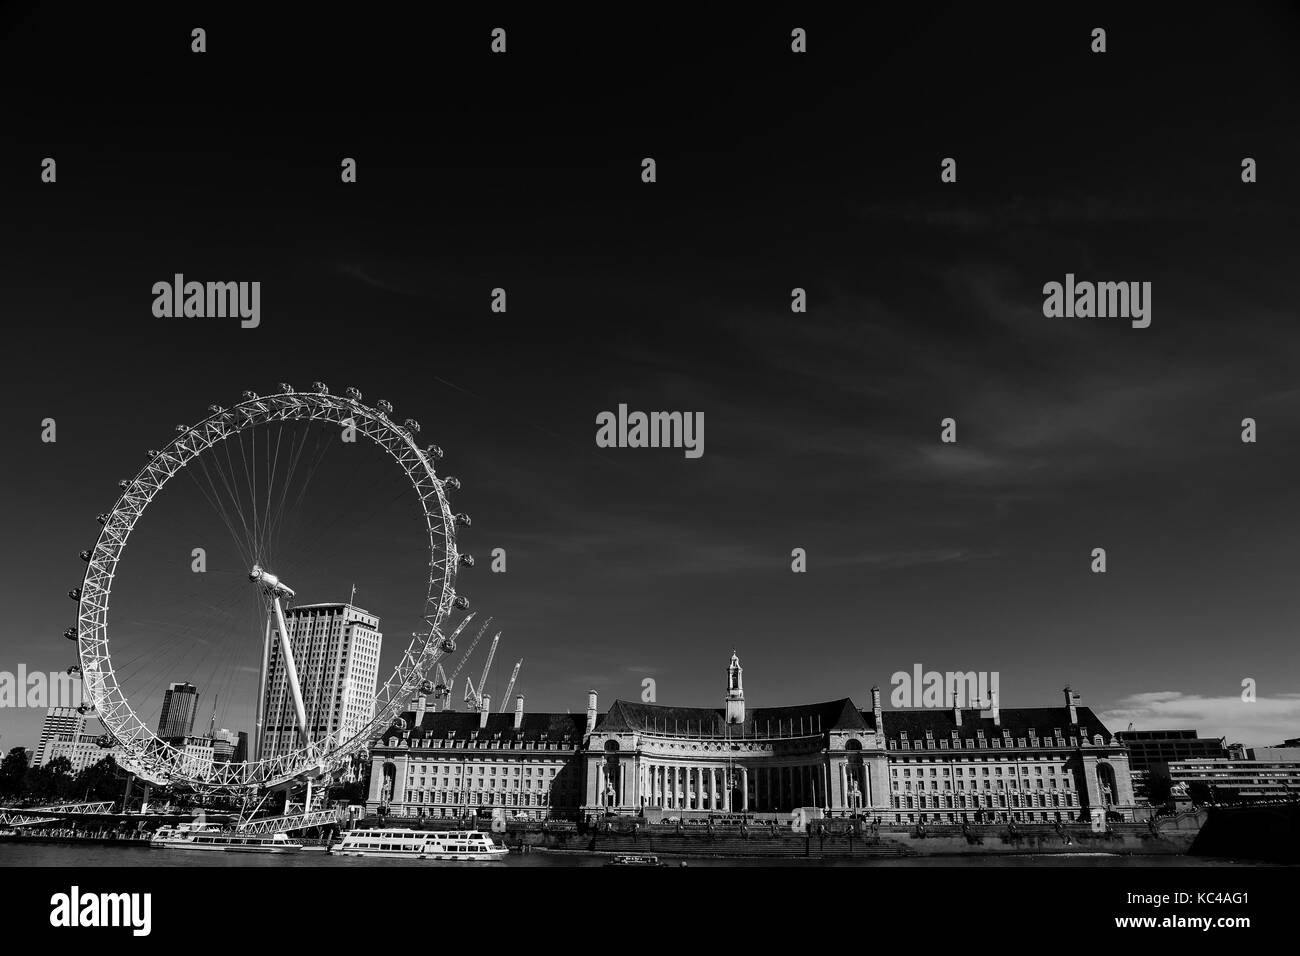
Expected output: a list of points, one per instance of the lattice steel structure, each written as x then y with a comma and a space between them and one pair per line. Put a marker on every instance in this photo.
158, 761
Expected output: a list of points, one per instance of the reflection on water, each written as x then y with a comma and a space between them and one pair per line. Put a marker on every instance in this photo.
37, 854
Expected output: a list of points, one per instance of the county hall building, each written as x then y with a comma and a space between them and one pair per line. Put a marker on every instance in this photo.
938, 765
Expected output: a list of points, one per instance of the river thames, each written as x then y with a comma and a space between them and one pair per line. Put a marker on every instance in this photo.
76, 857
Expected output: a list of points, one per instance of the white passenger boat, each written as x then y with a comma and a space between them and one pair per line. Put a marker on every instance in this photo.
463, 845
186, 836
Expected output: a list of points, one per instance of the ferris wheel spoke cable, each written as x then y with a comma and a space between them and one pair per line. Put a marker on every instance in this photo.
179, 631
310, 547
169, 665
298, 445
228, 479
219, 504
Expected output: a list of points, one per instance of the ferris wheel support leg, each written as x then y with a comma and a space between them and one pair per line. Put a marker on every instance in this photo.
290, 670
261, 690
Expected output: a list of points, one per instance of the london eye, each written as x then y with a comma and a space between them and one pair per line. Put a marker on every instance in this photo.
253, 464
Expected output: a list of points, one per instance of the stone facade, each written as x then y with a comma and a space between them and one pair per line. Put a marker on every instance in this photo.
949, 765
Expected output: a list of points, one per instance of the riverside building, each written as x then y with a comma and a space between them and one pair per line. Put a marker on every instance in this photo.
657, 762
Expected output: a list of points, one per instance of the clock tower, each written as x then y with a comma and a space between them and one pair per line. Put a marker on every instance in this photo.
735, 699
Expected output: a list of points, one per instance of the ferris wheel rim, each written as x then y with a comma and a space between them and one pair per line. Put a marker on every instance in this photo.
159, 761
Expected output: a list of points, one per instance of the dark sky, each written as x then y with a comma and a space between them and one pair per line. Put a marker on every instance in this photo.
822, 430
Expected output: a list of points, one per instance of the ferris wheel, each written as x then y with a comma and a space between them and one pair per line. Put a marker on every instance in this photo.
162, 761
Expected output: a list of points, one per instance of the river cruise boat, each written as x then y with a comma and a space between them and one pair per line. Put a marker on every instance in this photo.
469, 846
187, 837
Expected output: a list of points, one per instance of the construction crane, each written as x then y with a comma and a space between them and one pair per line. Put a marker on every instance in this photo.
443, 684
474, 694
511, 686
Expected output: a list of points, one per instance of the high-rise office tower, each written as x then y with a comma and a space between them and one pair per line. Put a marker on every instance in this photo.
180, 705
64, 723
336, 654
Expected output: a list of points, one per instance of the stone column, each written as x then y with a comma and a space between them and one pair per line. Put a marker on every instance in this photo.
744, 789
399, 780
376, 780
843, 797
713, 789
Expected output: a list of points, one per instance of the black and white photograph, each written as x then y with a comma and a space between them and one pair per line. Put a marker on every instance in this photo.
779, 453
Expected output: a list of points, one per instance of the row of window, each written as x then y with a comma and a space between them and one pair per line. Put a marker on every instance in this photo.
980, 743
988, 785
477, 798
489, 783
483, 768
964, 801
431, 743
984, 771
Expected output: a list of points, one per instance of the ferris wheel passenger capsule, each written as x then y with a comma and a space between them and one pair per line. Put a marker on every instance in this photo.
320, 387
448, 645
467, 560
461, 602
285, 387
84, 709
124, 484
102, 517
70, 633
104, 741
384, 406
75, 594
85, 555
451, 482
180, 429
412, 426
215, 409
426, 687
352, 393
433, 451
463, 520
248, 394
74, 669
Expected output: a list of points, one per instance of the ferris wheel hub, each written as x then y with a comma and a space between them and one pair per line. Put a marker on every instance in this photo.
272, 584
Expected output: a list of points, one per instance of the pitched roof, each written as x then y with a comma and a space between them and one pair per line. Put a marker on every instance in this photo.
627, 715
1017, 720
463, 724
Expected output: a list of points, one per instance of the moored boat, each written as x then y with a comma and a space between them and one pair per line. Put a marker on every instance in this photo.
468, 846
189, 837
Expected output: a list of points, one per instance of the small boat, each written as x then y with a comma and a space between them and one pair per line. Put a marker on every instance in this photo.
468, 846
186, 836
635, 859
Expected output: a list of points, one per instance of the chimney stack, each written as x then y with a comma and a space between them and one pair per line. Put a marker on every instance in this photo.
484, 711
591, 711
419, 709
519, 711
875, 710
956, 709
992, 709
1070, 698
